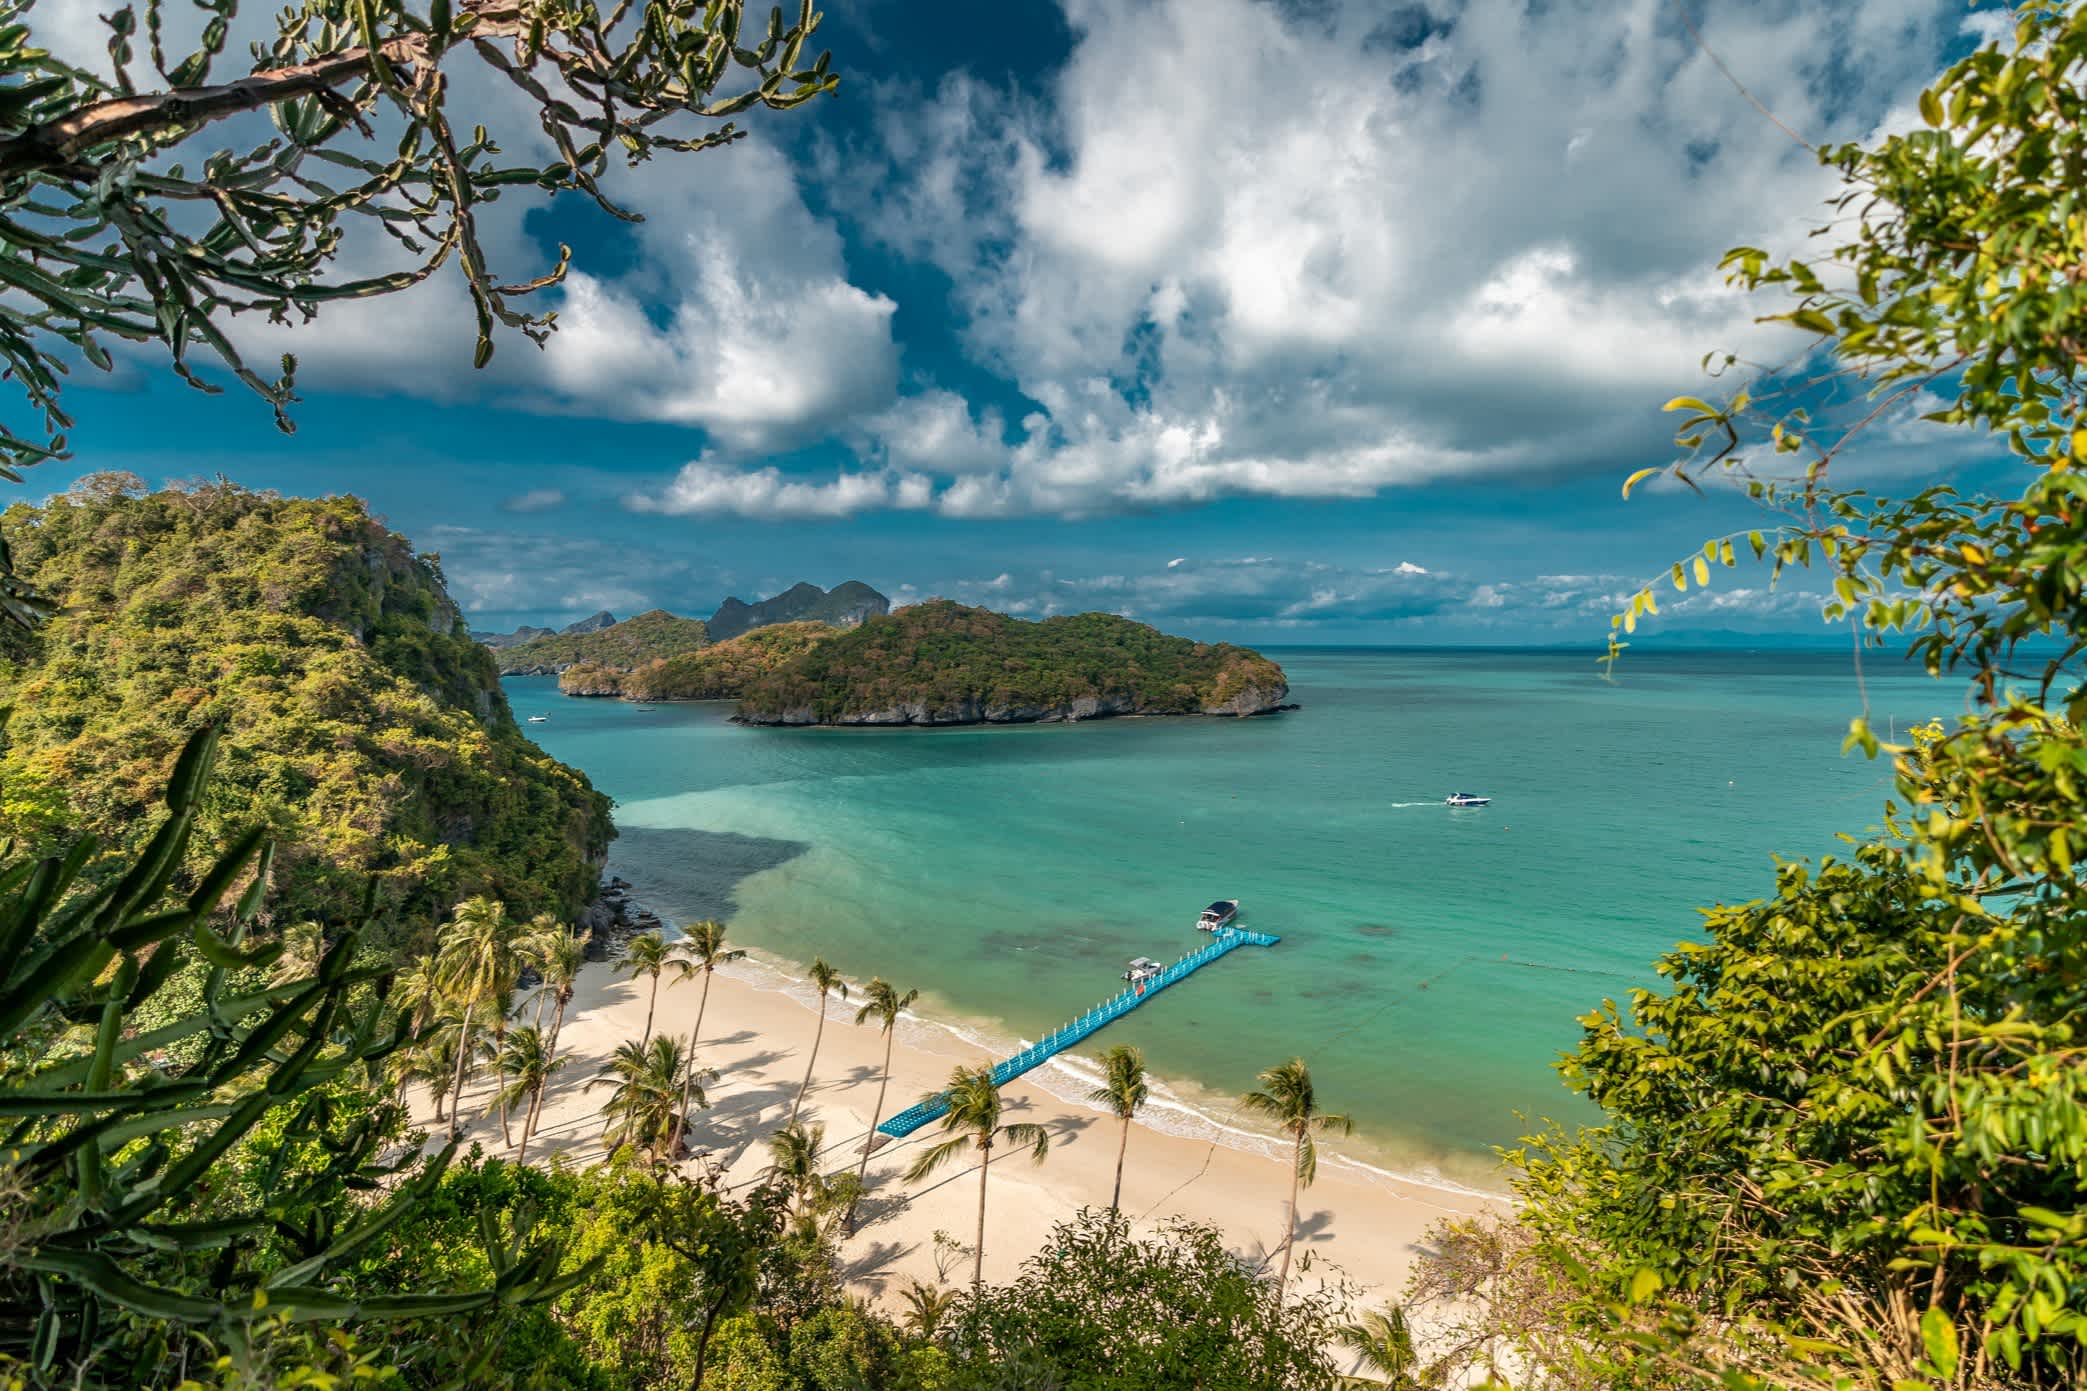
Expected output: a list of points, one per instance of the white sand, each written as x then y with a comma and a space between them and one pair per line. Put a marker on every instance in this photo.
1361, 1221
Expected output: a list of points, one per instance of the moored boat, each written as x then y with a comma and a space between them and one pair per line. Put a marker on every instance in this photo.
1217, 915
1142, 969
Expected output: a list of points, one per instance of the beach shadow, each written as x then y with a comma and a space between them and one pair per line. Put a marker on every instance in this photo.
691, 874
727, 1040
1317, 1227
872, 1267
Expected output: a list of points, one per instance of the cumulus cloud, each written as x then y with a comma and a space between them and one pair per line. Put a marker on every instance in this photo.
707, 487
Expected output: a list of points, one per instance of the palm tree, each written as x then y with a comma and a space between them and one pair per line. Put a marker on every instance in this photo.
829, 982
1383, 1345
703, 945
793, 1154
881, 1001
419, 987
650, 1080
534, 948
926, 1307
430, 1063
561, 974
974, 1114
474, 962
648, 955
1286, 1098
1123, 1091
527, 1065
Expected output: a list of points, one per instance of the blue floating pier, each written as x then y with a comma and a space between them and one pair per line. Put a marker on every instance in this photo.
1066, 1035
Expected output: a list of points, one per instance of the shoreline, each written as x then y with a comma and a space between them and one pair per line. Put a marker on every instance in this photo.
1358, 1220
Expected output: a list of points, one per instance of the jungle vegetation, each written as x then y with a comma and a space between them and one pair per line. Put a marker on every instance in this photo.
646, 637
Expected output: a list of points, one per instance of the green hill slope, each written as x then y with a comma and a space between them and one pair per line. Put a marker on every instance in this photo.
363, 725
945, 663
633, 642
721, 671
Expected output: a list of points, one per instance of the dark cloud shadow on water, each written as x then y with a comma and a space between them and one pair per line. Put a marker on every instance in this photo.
687, 875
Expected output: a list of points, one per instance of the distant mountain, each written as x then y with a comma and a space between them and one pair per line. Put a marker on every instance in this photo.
593, 623
633, 642
523, 634
844, 606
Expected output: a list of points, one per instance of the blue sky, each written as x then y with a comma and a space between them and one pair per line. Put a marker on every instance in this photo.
1316, 321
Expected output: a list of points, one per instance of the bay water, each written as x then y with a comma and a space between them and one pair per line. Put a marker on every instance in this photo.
1432, 959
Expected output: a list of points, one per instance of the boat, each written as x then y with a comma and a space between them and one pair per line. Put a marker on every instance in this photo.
1142, 969
539, 719
1218, 915
1465, 799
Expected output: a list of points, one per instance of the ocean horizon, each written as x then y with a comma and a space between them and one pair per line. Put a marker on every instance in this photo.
1433, 961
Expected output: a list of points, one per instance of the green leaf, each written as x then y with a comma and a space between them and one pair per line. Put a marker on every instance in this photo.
1931, 108
1644, 1284
1938, 1334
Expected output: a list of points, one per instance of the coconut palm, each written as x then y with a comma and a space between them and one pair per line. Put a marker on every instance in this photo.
974, 1117
561, 974
703, 948
1123, 1091
881, 1001
1383, 1346
430, 1062
926, 1306
526, 1065
419, 988
793, 1154
648, 954
474, 961
650, 1080
829, 982
1286, 1098
533, 948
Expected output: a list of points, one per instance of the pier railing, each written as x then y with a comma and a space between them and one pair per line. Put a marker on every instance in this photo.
1225, 939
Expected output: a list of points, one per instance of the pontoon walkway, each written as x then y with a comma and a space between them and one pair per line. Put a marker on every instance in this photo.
1066, 1035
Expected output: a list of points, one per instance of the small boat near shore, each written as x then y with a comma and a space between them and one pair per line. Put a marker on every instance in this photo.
1217, 915
1465, 799
1142, 969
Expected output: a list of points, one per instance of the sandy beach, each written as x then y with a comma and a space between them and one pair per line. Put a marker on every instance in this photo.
757, 1034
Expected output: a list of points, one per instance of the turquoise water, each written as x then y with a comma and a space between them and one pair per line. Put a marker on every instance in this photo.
1432, 960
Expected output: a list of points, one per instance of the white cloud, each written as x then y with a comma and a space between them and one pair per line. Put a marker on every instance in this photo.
535, 500
706, 487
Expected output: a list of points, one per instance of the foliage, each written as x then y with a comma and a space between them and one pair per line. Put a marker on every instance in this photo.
1286, 1097
941, 663
1124, 1092
364, 731
656, 1088
972, 1119
169, 1204
95, 179
1102, 1311
1382, 1341
720, 672
647, 637
1866, 1093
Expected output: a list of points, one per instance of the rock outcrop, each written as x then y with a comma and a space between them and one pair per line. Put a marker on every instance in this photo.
844, 606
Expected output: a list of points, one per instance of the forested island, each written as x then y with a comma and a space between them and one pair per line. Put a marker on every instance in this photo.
647, 637
943, 663
722, 671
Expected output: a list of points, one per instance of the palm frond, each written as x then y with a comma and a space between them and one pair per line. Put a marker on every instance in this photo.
933, 1159
1028, 1133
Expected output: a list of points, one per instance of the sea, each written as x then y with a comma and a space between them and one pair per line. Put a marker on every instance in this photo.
1434, 961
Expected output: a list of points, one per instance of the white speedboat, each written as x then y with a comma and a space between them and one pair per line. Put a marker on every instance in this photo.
1465, 799
539, 719
1218, 915
1142, 969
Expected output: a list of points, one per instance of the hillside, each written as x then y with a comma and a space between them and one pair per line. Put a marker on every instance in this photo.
945, 663
844, 606
721, 671
634, 641
363, 725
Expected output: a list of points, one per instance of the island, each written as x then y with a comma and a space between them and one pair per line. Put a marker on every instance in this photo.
722, 671
647, 637
943, 663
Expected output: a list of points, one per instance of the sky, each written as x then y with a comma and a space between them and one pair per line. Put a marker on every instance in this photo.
1284, 321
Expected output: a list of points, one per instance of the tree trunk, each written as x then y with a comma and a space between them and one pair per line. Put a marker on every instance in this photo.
1290, 1227
557, 1023
688, 1079
500, 1098
811, 1062
978, 1252
1122, 1143
651, 1003
456, 1093
876, 1114
703, 1341
528, 1122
